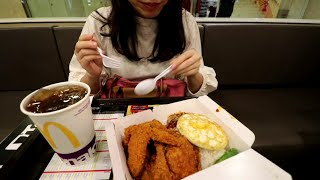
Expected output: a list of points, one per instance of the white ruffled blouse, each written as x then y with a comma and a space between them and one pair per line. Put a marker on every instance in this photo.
146, 35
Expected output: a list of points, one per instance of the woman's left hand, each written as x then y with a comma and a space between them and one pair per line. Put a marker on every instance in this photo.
187, 64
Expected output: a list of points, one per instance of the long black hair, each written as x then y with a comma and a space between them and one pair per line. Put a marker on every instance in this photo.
170, 39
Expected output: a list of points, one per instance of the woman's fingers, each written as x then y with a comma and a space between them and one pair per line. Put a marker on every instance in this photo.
194, 66
187, 63
92, 64
85, 52
180, 59
96, 67
86, 41
95, 40
86, 60
190, 73
98, 61
85, 45
85, 37
88, 56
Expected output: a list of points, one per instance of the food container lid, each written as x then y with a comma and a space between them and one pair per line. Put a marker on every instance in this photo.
248, 165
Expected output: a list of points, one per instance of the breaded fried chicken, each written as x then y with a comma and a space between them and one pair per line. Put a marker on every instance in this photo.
182, 160
137, 138
158, 168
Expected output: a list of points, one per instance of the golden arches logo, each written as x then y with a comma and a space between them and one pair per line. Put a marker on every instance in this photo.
69, 134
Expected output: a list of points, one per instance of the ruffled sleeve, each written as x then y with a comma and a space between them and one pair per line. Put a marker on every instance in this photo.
209, 84
193, 41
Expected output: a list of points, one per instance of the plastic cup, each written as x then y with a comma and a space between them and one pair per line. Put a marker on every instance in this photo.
69, 131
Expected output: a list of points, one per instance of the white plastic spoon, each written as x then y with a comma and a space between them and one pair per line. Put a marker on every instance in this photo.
146, 86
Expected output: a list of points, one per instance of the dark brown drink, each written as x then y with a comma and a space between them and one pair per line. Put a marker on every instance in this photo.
48, 100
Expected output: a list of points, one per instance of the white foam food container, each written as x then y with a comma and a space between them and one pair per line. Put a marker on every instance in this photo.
248, 164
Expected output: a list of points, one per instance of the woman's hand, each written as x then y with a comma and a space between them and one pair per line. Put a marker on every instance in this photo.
188, 65
88, 57
90, 60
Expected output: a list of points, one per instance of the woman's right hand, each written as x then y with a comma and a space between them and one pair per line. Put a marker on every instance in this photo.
88, 56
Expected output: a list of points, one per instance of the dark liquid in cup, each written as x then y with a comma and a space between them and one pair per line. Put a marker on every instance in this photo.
48, 100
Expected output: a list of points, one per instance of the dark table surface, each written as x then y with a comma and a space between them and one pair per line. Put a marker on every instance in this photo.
24, 154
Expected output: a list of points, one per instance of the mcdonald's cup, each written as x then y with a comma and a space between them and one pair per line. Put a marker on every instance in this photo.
69, 130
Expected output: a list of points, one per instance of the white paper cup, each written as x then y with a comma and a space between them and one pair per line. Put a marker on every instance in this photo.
69, 131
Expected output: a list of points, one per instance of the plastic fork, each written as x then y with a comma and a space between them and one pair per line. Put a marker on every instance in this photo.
108, 61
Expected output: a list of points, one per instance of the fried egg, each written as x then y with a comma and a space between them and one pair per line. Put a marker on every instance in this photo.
202, 132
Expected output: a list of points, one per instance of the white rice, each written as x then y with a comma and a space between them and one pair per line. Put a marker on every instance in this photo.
208, 157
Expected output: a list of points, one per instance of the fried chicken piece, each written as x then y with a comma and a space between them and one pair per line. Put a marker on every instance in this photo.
158, 168
172, 162
159, 132
137, 151
137, 138
183, 160
146, 174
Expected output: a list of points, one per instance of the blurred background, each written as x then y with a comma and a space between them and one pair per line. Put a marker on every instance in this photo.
291, 9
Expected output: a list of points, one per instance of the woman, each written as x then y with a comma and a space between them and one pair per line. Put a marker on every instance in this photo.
147, 36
